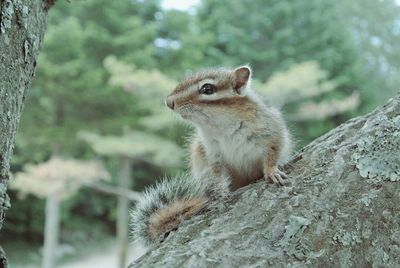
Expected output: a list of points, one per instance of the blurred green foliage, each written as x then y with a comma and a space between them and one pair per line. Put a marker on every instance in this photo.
375, 30
106, 66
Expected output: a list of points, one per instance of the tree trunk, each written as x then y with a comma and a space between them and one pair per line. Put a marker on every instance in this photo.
51, 232
22, 25
123, 211
341, 209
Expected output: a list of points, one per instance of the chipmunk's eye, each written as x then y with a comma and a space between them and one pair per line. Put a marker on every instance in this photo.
207, 89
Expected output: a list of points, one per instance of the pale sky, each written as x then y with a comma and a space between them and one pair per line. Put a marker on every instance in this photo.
180, 4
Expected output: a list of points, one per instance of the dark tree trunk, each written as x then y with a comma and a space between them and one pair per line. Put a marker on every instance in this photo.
341, 210
22, 25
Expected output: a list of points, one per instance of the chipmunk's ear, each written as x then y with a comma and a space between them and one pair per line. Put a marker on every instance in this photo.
242, 76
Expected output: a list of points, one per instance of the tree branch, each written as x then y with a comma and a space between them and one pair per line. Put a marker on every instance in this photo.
341, 210
108, 189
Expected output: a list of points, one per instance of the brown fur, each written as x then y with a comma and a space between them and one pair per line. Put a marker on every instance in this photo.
225, 81
237, 181
225, 102
198, 154
225, 74
241, 106
266, 125
167, 219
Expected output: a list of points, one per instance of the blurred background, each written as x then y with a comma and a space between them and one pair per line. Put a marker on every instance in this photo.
94, 131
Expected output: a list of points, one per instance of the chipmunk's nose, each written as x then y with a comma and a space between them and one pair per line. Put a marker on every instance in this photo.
170, 102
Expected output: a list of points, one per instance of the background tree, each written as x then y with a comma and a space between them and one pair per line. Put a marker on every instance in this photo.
56, 180
374, 27
274, 38
133, 146
71, 93
303, 92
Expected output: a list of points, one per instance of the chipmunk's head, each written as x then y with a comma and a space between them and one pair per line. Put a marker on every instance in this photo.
212, 96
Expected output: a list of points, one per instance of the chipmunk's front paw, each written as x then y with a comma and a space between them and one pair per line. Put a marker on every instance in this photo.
275, 176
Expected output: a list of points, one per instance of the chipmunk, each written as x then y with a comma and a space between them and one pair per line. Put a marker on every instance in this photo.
238, 140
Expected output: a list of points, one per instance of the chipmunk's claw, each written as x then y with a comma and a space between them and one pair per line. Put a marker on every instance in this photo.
276, 176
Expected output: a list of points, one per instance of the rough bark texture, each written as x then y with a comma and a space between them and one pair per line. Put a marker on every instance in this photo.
341, 210
22, 25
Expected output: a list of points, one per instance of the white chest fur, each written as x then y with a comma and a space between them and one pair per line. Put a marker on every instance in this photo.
238, 148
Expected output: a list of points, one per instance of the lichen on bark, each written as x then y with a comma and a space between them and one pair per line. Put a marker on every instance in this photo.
341, 209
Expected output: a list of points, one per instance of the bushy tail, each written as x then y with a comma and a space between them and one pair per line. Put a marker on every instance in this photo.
164, 206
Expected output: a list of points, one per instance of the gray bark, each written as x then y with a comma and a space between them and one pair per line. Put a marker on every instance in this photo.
341, 209
22, 25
